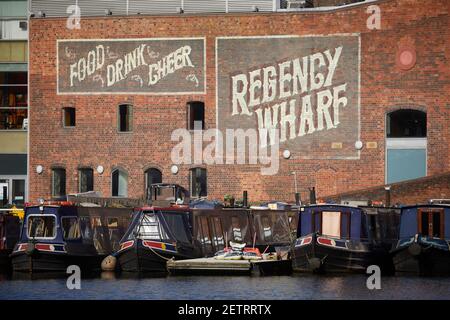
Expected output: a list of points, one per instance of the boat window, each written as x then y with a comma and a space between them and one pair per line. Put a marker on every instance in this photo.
281, 228
218, 238
431, 223
85, 228
331, 223
237, 232
43, 226
96, 222
150, 228
177, 226
204, 231
436, 225
267, 229
70, 228
115, 232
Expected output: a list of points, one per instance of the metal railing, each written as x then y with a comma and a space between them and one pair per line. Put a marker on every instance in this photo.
61, 8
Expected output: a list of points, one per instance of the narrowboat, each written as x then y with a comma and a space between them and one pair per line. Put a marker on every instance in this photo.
424, 240
9, 235
56, 236
340, 238
201, 229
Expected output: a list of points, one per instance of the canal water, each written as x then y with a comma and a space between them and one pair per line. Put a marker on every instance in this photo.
307, 287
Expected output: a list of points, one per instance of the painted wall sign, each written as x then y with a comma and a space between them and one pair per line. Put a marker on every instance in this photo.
131, 66
305, 86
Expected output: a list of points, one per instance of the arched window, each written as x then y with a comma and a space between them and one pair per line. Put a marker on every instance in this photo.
196, 115
406, 145
406, 123
119, 183
198, 182
152, 175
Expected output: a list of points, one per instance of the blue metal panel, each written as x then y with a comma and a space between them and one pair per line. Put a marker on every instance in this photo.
355, 224
405, 164
408, 223
305, 223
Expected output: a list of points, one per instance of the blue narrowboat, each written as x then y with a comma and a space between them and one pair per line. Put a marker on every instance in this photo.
423, 246
54, 237
339, 238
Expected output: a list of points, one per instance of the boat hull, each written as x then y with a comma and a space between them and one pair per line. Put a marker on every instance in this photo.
5, 260
140, 258
320, 258
430, 261
54, 262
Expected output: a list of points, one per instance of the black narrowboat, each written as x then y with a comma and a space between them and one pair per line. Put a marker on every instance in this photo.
156, 235
339, 238
54, 237
9, 235
423, 247
179, 231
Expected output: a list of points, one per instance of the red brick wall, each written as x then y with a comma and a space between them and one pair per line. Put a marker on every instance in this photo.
384, 87
409, 192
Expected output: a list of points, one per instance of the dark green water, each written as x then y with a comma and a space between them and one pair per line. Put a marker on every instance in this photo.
284, 287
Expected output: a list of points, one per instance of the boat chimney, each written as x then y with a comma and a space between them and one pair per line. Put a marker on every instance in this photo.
245, 199
312, 195
297, 198
388, 195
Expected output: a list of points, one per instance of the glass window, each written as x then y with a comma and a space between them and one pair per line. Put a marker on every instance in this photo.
69, 117
196, 115
119, 183
58, 182
70, 228
331, 224
236, 229
204, 231
267, 229
198, 183
42, 226
177, 226
218, 237
13, 100
125, 118
18, 192
86, 179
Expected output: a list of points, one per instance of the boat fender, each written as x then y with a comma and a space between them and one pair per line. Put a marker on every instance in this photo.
415, 249
314, 263
109, 263
31, 249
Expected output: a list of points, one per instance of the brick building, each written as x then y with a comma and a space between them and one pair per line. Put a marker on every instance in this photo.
372, 109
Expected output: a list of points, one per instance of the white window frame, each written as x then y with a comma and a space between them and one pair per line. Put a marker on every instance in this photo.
40, 216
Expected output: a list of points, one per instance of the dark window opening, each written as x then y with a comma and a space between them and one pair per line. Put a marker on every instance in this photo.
407, 124
125, 115
152, 176
196, 116
198, 182
69, 117
70, 228
86, 179
119, 183
58, 182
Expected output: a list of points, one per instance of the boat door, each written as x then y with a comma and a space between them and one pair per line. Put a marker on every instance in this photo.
430, 222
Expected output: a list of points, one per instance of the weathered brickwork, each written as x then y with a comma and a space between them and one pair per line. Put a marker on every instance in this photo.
384, 87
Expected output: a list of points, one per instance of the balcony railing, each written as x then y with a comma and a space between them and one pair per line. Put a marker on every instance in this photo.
60, 8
